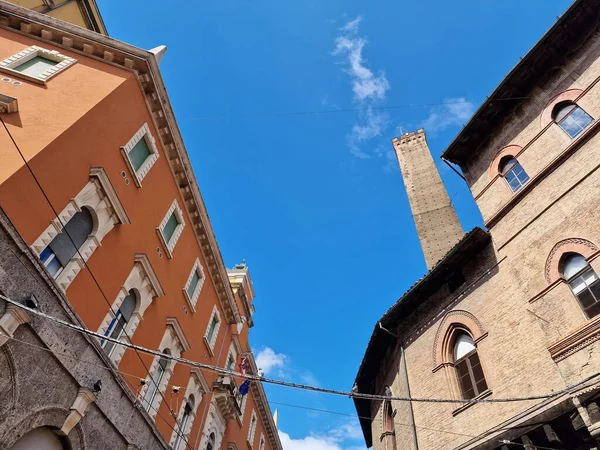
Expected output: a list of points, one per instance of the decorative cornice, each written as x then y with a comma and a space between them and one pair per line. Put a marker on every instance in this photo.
8, 104
143, 260
143, 64
100, 174
576, 340
174, 323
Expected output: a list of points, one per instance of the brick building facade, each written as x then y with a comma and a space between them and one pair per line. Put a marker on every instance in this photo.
511, 311
103, 225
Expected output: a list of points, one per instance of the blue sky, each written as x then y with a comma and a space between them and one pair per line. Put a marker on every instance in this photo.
315, 203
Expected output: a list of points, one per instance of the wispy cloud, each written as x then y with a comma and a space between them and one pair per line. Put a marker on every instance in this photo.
455, 112
369, 88
345, 437
268, 360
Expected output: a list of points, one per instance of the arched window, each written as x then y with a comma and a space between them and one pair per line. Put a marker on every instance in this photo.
571, 118
583, 282
61, 250
156, 379
210, 445
468, 367
42, 438
117, 325
513, 173
185, 419
388, 426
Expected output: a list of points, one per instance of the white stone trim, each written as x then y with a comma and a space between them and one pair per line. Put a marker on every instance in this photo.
93, 197
261, 442
140, 174
169, 341
9, 322
211, 344
198, 386
100, 174
232, 352
252, 429
215, 423
169, 246
243, 406
139, 279
9, 64
194, 298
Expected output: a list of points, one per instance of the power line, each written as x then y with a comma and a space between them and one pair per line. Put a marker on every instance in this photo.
83, 260
232, 373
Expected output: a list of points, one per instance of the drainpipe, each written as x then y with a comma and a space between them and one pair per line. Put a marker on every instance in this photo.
405, 372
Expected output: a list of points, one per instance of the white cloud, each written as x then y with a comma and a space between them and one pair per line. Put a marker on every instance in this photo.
268, 360
345, 437
369, 89
455, 112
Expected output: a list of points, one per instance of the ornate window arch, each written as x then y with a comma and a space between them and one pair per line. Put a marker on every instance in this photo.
174, 343
581, 246
509, 150
98, 199
143, 281
214, 429
571, 95
196, 388
462, 369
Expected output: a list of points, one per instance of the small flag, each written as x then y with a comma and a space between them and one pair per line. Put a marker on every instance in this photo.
245, 387
244, 365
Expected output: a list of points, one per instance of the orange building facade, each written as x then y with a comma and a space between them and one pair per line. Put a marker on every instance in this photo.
108, 202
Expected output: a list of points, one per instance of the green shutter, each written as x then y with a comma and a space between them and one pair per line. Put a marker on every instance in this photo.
170, 227
139, 153
194, 283
35, 66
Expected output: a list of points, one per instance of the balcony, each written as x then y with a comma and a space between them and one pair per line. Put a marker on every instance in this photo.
227, 397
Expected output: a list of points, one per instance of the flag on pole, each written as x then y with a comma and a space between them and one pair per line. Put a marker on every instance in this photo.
245, 387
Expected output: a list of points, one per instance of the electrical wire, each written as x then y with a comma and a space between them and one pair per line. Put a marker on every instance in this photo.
290, 405
356, 395
83, 260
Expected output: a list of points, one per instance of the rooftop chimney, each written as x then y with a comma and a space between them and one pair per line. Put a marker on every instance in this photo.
437, 223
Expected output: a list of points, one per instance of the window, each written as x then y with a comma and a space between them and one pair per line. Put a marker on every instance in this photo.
583, 282
252, 429
183, 426
171, 228
468, 367
36, 64
61, 250
194, 284
230, 362
116, 328
156, 380
513, 173
261, 446
210, 445
571, 118
212, 331
388, 427
140, 154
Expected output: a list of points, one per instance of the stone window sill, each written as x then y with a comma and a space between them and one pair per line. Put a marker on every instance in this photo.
461, 408
577, 339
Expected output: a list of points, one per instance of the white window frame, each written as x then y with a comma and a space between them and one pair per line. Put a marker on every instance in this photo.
140, 174
210, 345
252, 429
99, 196
198, 386
10, 64
176, 342
170, 246
194, 297
261, 442
144, 280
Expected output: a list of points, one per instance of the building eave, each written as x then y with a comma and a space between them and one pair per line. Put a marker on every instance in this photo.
471, 244
143, 64
571, 29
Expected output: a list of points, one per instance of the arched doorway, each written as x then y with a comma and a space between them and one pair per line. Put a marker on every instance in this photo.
42, 438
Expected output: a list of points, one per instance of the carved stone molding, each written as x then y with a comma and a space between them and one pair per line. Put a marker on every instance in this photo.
576, 340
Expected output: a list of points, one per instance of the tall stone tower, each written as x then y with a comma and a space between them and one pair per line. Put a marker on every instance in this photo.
437, 223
